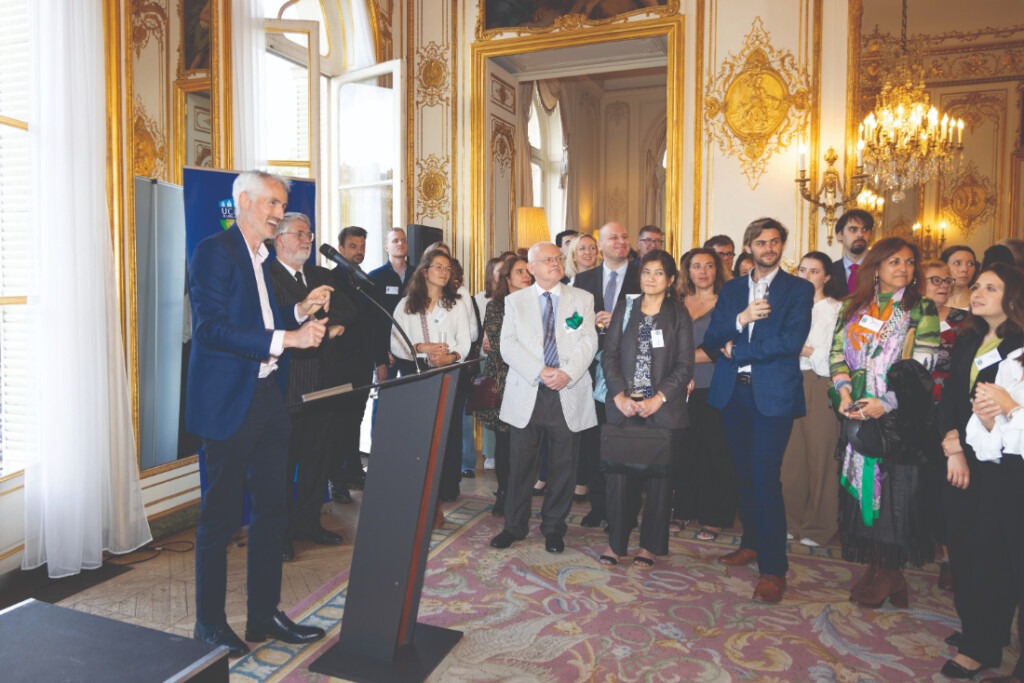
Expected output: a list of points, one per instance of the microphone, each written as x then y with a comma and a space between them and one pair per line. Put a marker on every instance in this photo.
353, 271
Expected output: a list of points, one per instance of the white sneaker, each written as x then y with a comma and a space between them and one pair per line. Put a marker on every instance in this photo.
809, 543
790, 537
488, 463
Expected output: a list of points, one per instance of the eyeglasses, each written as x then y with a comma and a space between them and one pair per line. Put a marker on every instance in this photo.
726, 254
301, 234
443, 269
550, 260
939, 281
651, 240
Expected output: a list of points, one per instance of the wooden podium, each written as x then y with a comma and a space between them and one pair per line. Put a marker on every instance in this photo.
380, 639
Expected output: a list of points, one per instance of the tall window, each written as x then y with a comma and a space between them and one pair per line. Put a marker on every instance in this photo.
15, 239
544, 131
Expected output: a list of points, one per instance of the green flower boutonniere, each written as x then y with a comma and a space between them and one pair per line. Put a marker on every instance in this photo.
574, 321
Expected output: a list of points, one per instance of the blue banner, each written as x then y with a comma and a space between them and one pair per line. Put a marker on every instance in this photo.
209, 207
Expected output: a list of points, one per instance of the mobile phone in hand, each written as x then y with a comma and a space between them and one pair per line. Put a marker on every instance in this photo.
856, 406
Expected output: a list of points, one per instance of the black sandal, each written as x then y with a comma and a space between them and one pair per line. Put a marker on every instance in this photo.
643, 562
608, 560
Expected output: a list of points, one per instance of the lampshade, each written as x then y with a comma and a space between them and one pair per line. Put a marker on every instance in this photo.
531, 226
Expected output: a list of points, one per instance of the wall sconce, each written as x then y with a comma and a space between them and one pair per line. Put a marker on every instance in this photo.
930, 245
832, 196
531, 226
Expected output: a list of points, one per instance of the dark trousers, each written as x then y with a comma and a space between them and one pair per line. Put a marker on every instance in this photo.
344, 436
997, 582
703, 476
597, 486
563, 453
257, 456
624, 495
757, 443
307, 468
502, 446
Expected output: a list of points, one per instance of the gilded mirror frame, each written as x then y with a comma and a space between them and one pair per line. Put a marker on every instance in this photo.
671, 28
182, 88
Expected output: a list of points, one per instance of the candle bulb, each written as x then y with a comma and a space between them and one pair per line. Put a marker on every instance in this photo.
960, 132
860, 154
803, 158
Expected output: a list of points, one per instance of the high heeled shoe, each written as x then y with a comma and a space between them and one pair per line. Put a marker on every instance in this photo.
863, 582
888, 584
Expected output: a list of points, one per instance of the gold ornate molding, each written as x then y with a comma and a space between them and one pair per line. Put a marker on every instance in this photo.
758, 101
433, 191
149, 20
149, 157
503, 146
570, 22
432, 75
968, 199
975, 107
503, 94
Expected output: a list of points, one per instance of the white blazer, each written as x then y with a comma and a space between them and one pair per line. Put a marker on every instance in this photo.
522, 347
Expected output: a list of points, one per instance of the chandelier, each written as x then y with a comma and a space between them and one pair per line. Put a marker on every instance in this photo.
904, 141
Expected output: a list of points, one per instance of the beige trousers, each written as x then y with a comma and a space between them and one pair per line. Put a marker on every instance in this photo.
810, 471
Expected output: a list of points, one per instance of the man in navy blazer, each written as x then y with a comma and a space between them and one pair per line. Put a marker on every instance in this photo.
760, 323
237, 378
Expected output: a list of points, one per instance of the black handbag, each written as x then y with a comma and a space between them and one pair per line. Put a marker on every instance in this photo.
636, 448
483, 394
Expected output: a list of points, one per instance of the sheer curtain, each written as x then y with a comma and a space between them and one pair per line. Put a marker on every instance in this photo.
82, 493
364, 50
248, 55
524, 172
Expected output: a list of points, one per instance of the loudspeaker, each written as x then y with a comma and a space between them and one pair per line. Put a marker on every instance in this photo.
420, 237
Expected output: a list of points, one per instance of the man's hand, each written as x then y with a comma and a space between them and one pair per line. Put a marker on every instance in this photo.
307, 336
319, 298
951, 444
649, 406
486, 345
807, 351
757, 310
626, 406
727, 350
602, 318
335, 331
391, 360
382, 373
554, 378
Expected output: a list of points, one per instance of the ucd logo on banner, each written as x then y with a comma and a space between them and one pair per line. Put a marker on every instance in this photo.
227, 213
210, 209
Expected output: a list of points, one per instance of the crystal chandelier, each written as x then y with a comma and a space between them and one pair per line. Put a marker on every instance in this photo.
905, 141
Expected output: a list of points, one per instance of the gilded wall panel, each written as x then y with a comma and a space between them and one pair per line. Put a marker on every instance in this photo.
149, 54
757, 103
501, 170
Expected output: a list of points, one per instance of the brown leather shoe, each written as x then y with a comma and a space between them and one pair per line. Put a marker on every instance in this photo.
945, 577
862, 583
739, 557
887, 584
770, 588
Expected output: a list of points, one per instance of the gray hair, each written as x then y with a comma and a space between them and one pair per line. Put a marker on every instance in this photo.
532, 253
289, 218
253, 183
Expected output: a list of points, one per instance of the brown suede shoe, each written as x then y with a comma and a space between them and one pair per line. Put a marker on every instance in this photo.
739, 557
770, 588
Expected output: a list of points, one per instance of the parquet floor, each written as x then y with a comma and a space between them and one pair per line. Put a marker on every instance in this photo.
160, 592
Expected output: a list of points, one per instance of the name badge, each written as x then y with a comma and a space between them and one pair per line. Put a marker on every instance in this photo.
990, 358
391, 290
657, 339
440, 315
944, 326
868, 322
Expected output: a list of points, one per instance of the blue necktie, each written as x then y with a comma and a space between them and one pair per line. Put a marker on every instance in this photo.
550, 348
609, 291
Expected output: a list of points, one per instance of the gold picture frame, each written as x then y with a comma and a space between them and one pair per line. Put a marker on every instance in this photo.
569, 20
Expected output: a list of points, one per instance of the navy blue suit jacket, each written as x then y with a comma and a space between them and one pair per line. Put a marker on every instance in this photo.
385, 277
229, 338
773, 351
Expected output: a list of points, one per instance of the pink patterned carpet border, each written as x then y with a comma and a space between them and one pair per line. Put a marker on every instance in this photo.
528, 615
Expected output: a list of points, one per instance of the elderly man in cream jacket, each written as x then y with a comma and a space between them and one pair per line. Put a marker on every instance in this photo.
548, 339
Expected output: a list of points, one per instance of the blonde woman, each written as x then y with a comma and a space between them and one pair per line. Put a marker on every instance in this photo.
583, 255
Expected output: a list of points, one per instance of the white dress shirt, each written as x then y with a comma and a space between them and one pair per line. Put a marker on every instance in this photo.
605, 274
751, 295
277, 341
451, 327
824, 315
1007, 435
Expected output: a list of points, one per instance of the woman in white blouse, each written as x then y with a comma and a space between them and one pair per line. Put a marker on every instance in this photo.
810, 472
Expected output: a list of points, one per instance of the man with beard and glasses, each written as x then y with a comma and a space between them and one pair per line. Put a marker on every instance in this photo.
853, 230
760, 323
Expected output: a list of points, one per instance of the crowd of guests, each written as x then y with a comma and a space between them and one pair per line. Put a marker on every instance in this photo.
875, 399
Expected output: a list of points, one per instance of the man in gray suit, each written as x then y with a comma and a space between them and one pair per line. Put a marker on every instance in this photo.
548, 339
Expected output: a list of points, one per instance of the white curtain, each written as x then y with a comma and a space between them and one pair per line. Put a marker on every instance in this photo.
523, 171
248, 55
572, 154
364, 50
82, 493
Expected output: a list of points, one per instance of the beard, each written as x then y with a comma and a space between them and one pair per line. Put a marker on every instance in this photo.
859, 247
769, 260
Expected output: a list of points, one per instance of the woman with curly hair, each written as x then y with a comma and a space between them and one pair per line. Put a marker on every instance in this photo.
883, 351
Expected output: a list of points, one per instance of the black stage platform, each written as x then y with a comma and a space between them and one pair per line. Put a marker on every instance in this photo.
43, 642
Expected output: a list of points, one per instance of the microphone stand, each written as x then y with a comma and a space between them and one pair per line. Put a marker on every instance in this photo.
408, 342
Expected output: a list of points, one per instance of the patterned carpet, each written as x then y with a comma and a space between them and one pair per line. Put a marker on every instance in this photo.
529, 615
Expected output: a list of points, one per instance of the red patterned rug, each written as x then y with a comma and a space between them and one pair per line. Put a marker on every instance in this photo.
528, 615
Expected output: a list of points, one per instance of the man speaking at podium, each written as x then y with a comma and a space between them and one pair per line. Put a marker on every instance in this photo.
237, 375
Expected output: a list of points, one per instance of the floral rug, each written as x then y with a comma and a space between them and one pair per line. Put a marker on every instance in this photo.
528, 615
